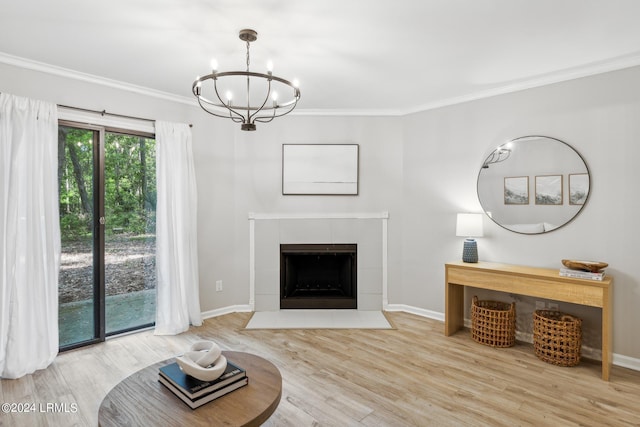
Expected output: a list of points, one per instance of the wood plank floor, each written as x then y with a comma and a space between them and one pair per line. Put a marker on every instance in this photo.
410, 376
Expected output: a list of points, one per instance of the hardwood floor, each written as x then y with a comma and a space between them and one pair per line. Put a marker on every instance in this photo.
410, 376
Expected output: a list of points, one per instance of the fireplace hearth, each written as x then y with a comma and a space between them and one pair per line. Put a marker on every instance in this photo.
321, 276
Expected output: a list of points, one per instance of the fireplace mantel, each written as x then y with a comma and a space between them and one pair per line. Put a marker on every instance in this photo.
330, 217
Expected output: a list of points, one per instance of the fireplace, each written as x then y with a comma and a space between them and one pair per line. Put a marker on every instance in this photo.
318, 276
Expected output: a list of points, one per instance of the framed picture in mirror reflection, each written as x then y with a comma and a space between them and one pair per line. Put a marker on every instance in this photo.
578, 188
549, 190
516, 190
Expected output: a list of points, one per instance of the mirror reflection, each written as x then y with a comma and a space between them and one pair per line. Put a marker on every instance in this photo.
533, 184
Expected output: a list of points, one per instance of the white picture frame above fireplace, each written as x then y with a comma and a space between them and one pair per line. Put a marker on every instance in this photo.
320, 169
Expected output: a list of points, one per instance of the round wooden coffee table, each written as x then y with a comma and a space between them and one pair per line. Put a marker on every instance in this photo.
141, 400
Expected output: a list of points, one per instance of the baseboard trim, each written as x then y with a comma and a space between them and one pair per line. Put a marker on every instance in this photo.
240, 308
588, 352
415, 310
626, 362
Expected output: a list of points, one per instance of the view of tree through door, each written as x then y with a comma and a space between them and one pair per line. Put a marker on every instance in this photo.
107, 220
130, 232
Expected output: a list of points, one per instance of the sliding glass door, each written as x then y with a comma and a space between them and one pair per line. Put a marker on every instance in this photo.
130, 226
79, 307
107, 221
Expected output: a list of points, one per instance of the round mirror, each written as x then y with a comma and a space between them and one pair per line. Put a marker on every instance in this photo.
533, 184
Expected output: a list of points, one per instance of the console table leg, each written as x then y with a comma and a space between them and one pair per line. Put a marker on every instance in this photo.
607, 338
454, 308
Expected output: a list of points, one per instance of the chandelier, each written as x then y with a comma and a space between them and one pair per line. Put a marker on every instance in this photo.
263, 105
500, 154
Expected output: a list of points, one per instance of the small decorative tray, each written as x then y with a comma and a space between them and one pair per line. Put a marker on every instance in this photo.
592, 266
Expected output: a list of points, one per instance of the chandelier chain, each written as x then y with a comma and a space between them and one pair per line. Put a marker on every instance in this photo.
247, 56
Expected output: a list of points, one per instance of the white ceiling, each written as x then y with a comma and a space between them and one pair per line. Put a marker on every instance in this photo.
350, 56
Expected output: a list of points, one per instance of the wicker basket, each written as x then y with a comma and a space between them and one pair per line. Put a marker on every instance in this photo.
557, 337
493, 323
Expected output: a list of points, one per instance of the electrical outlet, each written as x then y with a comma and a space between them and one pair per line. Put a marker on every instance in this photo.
553, 306
218, 285
540, 305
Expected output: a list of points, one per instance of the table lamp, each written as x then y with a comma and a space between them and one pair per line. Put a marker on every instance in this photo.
469, 225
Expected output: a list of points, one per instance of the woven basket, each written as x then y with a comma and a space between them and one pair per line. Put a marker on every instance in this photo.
493, 323
557, 337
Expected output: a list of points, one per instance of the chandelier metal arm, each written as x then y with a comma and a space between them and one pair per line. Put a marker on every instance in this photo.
217, 114
205, 108
266, 98
265, 119
240, 118
292, 104
236, 119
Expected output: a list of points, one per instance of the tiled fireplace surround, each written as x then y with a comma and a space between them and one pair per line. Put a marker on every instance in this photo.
268, 231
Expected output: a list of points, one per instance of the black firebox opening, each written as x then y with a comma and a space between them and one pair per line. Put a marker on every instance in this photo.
318, 276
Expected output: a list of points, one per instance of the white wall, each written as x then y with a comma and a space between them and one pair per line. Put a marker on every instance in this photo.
600, 117
258, 188
422, 169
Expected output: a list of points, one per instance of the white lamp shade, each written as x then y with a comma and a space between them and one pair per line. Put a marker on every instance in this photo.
469, 225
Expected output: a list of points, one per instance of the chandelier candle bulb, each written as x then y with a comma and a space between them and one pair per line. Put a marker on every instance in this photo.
214, 65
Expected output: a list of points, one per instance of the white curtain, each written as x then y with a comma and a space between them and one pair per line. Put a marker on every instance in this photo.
29, 235
178, 299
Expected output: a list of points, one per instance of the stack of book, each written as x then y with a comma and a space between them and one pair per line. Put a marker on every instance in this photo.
196, 393
581, 274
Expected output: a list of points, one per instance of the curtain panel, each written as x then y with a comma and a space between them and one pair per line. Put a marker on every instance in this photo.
178, 299
29, 235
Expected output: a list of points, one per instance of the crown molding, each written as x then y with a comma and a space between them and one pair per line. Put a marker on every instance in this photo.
42, 67
595, 68
344, 112
592, 69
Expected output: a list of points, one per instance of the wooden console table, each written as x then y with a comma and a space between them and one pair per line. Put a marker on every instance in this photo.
530, 281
